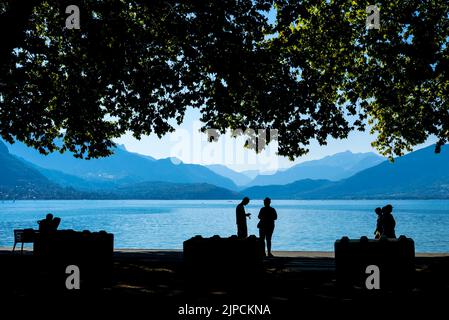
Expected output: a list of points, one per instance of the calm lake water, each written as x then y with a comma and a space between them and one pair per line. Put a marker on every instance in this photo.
302, 225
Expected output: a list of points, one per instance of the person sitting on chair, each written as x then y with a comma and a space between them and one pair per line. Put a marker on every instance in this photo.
49, 224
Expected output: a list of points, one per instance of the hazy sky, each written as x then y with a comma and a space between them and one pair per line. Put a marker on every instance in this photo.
191, 146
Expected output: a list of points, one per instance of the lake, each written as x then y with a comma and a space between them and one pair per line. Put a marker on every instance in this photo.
302, 224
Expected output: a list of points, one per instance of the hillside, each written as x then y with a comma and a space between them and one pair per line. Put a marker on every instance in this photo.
301, 189
418, 175
123, 167
170, 191
22, 180
19, 180
334, 168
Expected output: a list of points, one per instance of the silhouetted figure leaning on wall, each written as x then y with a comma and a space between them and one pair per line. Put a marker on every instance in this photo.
388, 222
379, 225
240, 214
267, 216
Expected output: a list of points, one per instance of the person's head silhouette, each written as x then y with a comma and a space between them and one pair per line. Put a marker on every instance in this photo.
267, 202
245, 201
49, 216
378, 211
388, 208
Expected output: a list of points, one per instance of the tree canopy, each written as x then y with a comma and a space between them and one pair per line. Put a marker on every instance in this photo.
310, 69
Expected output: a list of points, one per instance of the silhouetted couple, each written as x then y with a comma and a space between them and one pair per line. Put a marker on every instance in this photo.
267, 216
385, 223
49, 224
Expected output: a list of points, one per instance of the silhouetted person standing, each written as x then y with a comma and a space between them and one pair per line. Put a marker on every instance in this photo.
388, 222
379, 225
240, 214
267, 216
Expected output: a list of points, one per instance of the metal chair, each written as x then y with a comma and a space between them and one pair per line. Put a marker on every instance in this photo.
23, 236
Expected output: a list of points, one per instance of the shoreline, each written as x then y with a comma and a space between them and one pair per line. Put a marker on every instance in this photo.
279, 253
230, 199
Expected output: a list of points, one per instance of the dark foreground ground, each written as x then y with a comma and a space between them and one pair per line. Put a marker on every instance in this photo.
155, 285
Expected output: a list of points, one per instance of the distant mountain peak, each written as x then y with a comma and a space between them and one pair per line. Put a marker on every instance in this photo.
122, 146
174, 160
239, 178
333, 167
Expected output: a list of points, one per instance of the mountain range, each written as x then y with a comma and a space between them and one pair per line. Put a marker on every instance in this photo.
336, 167
26, 174
239, 178
123, 167
418, 175
20, 179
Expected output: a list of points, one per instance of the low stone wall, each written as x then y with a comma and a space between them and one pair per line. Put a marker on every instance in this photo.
223, 257
394, 259
91, 252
